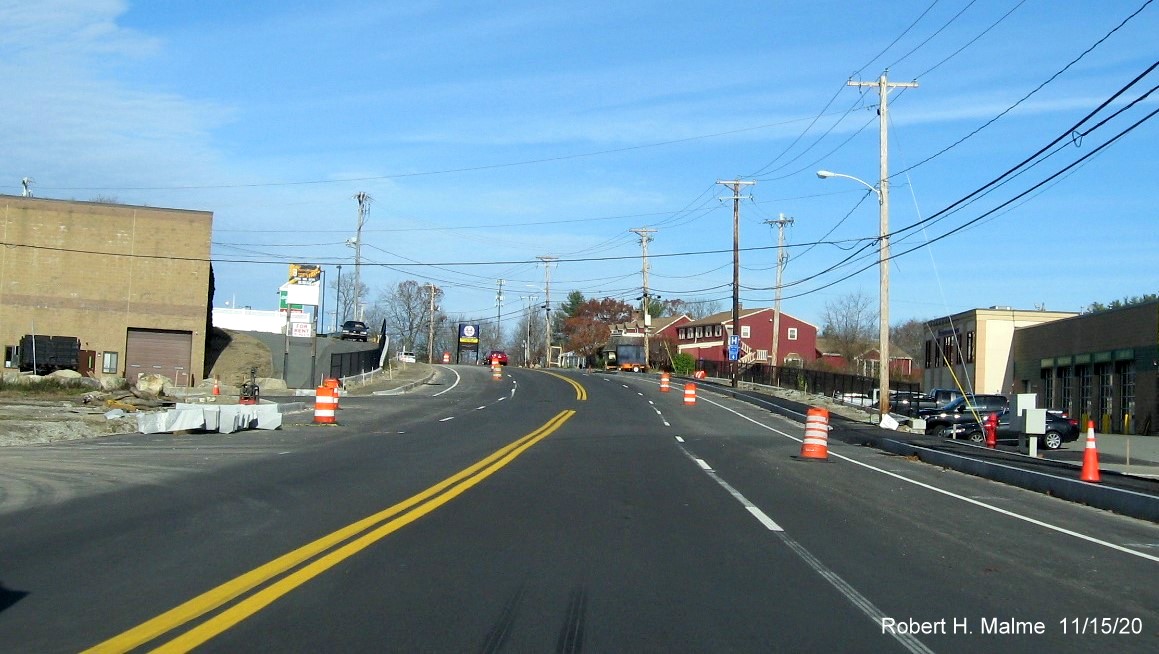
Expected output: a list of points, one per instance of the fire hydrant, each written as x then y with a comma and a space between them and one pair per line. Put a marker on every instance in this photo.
990, 426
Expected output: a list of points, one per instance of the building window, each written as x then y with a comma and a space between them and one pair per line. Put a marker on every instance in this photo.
1066, 386
718, 330
1106, 394
793, 359
744, 331
970, 347
109, 362
792, 333
1047, 387
699, 332
1085, 378
1126, 371
11, 356
930, 362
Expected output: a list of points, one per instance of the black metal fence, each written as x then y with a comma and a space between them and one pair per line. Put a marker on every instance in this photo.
820, 382
348, 364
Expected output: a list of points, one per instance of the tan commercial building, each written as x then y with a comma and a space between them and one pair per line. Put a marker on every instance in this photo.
132, 283
972, 350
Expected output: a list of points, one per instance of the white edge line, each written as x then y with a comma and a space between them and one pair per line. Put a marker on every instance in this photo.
1018, 516
457, 380
447, 418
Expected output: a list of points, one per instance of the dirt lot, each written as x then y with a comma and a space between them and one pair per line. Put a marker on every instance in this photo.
26, 419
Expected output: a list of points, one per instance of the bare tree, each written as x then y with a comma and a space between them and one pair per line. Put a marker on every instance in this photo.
407, 310
850, 325
694, 309
909, 336
342, 290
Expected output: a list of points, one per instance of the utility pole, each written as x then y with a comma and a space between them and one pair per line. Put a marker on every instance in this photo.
364, 201
338, 300
735, 184
499, 315
645, 235
883, 86
781, 259
530, 301
431, 288
547, 261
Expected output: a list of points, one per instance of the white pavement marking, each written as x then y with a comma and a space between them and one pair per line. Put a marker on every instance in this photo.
857, 599
963, 498
679, 439
457, 380
480, 408
447, 418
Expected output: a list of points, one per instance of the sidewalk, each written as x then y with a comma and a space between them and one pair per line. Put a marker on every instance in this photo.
1134, 455
399, 379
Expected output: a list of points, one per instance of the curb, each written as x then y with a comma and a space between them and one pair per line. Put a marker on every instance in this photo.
1124, 502
409, 386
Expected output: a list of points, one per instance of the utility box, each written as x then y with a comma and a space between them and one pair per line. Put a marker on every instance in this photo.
1022, 402
1034, 421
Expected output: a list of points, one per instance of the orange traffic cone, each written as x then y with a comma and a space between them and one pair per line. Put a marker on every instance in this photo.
689, 394
816, 443
1091, 456
496, 371
664, 381
216, 387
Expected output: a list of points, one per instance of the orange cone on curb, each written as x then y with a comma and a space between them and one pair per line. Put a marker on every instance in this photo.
664, 381
1091, 456
689, 394
216, 387
816, 443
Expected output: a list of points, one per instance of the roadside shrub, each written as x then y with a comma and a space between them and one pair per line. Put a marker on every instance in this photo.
46, 387
683, 363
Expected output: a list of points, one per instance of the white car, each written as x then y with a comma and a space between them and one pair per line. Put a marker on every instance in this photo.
406, 357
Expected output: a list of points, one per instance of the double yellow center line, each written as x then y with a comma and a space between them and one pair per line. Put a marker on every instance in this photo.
318, 557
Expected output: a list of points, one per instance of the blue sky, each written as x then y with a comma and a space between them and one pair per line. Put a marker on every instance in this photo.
490, 134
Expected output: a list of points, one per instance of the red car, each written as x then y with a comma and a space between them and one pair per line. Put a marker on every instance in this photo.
495, 354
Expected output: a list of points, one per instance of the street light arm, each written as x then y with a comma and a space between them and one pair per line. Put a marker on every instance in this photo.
825, 174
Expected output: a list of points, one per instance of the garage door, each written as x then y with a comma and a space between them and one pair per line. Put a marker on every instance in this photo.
159, 352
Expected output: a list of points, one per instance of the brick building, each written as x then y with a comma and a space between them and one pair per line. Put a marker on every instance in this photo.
706, 339
1100, 366
132, 283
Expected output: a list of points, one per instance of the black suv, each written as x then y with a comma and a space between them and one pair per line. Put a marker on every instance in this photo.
355, 330
964, 411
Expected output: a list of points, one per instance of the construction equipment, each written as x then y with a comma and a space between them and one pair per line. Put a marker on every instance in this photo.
250, 392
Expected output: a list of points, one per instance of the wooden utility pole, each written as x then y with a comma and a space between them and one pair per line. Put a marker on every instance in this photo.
499, 315
431, 288
735, 185
883, 86
547, 261
645, 235
364, 201
781, 259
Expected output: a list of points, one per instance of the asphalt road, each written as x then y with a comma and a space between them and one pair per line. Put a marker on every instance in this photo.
546, 512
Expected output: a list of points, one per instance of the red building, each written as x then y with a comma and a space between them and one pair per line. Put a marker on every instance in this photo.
707, 338
867, 363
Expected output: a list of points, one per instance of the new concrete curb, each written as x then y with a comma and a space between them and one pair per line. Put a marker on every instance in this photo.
1126, 502
1121, 501
406, 387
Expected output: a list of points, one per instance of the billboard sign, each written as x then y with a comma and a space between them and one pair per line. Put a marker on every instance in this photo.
468, 337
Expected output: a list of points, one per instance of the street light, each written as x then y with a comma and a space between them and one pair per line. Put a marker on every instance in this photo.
882, 191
